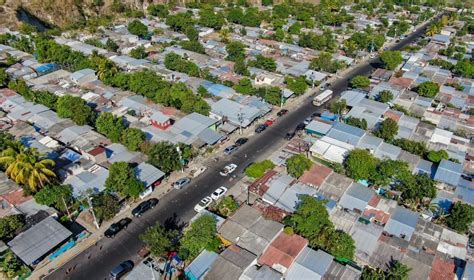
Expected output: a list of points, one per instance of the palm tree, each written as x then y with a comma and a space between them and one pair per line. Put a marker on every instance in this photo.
432, 30
398, 271
27, 166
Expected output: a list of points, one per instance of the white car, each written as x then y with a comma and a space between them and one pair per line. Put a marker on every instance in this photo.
228, 169
203, 204
217, 194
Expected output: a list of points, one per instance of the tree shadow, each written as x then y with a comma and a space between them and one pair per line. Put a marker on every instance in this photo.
174, 223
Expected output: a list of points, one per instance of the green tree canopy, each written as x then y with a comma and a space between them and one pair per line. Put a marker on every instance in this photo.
296, 165
258, 169
11, 266
385, 96
360, 123
415, 188
105, 205
437, 156
159, 240
209, 18
360, 164
298, 85
191, 33
460, 217
262, 62
164, 156
338, 107
111, 126
122, 180
235, 51
138, 52
158, 10
227, 206
465, 68
74, 108
179, 22
427, 89
137, 28
3, 78
387, 129
57, 196
9, 225
325, 62
391, 59
241, 68
360, 82
133, 138
245, 86
201, 234
193, 46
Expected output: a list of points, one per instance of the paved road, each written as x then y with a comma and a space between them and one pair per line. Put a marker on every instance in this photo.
177, 206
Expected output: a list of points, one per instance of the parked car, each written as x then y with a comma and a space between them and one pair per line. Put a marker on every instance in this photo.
117, 227
180, 183
241, 141
230, 150
307, 120
217, 194
260, 128
290, 135
269, 122
300, 126
203, 204
282, 112
144, 206
228, 169
121, 269
315, 114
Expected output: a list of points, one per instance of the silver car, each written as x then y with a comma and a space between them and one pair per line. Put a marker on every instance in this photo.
231, 149
181, 183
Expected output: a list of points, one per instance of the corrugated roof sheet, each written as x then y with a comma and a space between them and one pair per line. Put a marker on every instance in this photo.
200, 265
148, 174
449, 172
402, 222
357, 196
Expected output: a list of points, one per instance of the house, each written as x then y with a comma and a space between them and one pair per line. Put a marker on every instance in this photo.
160, 120
310, 264
316, 175
387, 151
290, 198
136, 103
318, 127
199, 267
356, 197
117, 152
370, 143
32, 245
283, 251
330, 149
231, 263
196, 127
448, 172
263, 272
346, 133
441, 136
315, 77
86, 177
276, 187
402, 223
441, 39
353, 97
249, 229
149, 175
83, 76
233, 112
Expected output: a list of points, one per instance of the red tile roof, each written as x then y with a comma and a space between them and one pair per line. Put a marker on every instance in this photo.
16, 197
403, 82
283, 250
260, 186
394, 115
442, 269
97, 151
378, 215
316, 176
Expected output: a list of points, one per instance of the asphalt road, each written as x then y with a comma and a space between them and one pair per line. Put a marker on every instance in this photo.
176, 208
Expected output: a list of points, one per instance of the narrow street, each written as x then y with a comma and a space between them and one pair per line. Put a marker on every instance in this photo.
176, 208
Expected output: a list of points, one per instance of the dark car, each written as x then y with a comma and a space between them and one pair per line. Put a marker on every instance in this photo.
144, 206
300, 126
260, 128
121, 269
315, 114
282, 112
290, 135
117, 227
241, 141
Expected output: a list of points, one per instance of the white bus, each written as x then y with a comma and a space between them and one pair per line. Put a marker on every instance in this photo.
322, 97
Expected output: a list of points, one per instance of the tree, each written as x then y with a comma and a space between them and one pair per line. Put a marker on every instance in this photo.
201, 234
360, 82
3, 78
9, 225
338, 107
27, 166
310, 218
369, 273
325, 62
208, 18
465, 68
158, 239
235, 15
262, 62
258, 169
191, 33
298, 85
460, 217
415, 188
387, 129
391, 59
241, 68
427, 89
340, 244
193, 46
414, 147
158, 10
137, 28
227, 206
179, 22
437, 156
388, 171
111, 46
11, 266
397, 271
110, 126
296, 165
385, 96
360, 123
57, 196
235, 51
360, 164
133, 138
105, 205
6, 139
75, 108
122, 179
164, 156
245, 86
138, 52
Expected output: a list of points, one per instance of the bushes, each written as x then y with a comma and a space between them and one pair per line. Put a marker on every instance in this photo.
427, 89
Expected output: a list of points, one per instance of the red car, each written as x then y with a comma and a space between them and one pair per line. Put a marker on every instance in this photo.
269, 122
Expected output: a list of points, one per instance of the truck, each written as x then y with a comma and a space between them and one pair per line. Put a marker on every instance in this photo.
323, 97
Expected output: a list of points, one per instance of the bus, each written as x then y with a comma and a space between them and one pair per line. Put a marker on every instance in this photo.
322, 97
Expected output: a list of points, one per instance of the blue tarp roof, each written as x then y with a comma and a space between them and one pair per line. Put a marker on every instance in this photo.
46, 68
200, 265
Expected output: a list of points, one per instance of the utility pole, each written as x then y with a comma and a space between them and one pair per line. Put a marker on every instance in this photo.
65, 206
92, 210
282, 99
240, 117
180, 159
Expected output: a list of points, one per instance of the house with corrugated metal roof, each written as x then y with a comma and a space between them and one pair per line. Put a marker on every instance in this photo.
448, 172
402, 223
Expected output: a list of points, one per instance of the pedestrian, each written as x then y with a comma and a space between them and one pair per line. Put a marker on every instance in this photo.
100, 248
89, 257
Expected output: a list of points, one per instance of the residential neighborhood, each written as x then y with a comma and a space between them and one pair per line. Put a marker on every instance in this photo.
290, 140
